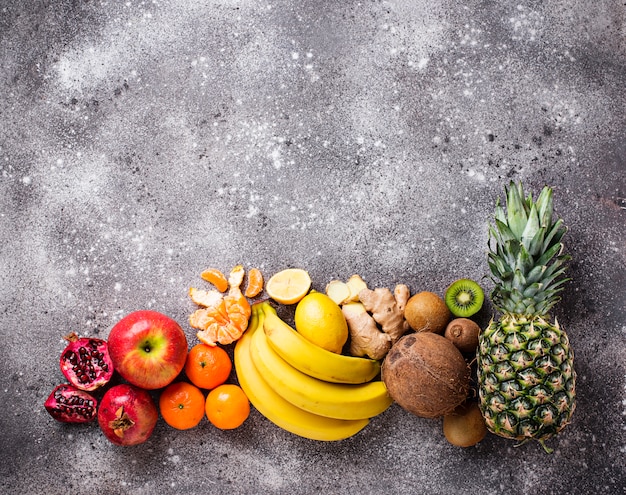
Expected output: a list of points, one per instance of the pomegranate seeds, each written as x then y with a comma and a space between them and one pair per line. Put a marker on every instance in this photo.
68, 404
86, 363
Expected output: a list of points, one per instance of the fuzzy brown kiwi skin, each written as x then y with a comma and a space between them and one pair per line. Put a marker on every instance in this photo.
465, 426
463, 333
427, 312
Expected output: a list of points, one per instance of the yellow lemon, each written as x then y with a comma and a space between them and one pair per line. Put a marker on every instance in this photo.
319, 319
288, 286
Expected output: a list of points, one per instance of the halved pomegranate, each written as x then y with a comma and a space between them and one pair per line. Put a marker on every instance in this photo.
68, 404
86, 363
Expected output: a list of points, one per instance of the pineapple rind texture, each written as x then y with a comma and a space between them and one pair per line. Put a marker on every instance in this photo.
526, 378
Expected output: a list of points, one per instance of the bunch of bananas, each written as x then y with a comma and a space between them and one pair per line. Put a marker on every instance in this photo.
303, 388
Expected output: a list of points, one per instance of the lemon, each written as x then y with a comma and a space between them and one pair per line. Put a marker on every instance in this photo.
319, 320
288, 286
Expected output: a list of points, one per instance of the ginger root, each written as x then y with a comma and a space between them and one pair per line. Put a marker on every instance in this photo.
387, 309
356, 284
338, 291
402, 295
365, 337
345, 292
375, 317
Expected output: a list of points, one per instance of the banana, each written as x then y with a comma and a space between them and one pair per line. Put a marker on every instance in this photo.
334, 400
276, 409
312, 359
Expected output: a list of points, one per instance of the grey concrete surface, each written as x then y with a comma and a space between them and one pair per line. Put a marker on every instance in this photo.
143, 141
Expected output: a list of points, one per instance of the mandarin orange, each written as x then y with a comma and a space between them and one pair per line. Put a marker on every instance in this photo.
182, 405
227, 407
208, 366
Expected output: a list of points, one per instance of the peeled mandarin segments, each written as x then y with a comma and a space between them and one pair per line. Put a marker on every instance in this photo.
224, 319
255, 283
215, 277
288, 286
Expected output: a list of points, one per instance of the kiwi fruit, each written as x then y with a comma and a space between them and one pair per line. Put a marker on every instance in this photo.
464, 298
463, 333
426, 312
465, 426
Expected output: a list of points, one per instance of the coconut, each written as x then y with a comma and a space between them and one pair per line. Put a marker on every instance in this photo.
426, 374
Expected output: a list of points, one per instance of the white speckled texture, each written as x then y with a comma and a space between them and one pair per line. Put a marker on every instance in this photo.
143, 141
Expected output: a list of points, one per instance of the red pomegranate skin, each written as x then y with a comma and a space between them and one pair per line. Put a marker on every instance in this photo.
86, 363
68, 404
127, 415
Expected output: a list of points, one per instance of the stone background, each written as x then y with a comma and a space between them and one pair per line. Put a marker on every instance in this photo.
143, 141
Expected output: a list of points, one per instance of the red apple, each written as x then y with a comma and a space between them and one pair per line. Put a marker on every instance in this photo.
148, 349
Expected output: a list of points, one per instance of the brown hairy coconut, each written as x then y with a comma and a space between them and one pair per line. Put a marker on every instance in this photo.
426, 374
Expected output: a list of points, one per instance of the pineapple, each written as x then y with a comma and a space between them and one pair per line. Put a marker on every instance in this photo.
526, 374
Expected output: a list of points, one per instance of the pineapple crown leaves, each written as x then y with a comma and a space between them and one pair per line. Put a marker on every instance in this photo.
527, 258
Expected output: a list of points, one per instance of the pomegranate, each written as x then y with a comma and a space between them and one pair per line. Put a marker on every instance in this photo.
127, 415
86, 363
68, 404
